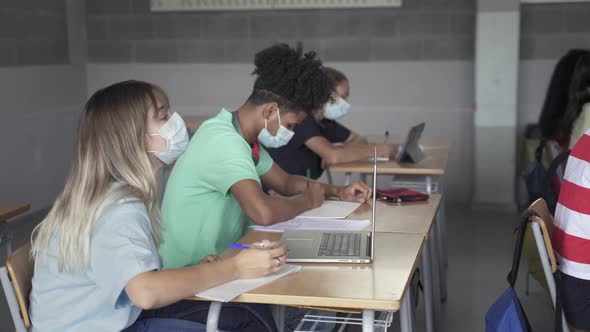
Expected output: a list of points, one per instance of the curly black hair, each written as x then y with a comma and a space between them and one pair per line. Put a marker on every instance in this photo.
291, 78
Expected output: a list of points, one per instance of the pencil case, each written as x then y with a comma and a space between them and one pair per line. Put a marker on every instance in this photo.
401, 195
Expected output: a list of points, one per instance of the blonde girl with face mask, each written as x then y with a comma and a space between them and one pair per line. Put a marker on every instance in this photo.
97, 266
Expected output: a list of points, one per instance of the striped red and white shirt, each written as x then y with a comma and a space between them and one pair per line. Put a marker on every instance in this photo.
571, 234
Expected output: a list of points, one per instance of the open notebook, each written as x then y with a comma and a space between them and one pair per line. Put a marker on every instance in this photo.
321, 224
233, 289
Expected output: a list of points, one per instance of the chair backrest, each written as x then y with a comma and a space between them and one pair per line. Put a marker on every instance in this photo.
545, 218
20, 268
545, 222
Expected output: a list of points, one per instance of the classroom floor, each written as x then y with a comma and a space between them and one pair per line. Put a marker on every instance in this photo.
480, 254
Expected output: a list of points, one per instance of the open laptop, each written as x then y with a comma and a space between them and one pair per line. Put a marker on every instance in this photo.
410, 150
334, 246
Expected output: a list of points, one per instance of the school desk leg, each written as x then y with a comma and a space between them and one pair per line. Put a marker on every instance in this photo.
329, 175
426, 274
368, 320
213, 316
405, 312
347, 178
441, 242
279, 316
442, 270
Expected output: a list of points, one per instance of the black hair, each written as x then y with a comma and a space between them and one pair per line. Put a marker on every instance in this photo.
579, 94
556, 99
335, 76
291, 78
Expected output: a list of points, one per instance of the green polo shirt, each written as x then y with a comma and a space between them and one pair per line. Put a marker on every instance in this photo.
200, 214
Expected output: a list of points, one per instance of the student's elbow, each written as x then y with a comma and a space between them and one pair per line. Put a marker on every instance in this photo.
332, 158
262, 215
146, 301
141, 294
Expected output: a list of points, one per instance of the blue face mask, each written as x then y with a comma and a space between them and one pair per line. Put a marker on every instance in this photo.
282, 137
336, 109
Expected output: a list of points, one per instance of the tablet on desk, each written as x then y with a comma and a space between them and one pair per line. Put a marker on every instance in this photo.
410, 150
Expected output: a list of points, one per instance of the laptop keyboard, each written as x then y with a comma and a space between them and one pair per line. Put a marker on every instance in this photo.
340, 244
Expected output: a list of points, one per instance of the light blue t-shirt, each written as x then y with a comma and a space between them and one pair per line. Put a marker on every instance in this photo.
121, 247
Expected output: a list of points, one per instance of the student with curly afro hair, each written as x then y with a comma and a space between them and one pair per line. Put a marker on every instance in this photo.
215, 188
321, 141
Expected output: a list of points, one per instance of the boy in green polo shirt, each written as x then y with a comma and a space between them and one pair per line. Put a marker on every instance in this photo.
214, 190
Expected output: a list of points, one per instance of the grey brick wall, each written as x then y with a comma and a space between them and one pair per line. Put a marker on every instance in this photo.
126, 31
548, 31
33, 32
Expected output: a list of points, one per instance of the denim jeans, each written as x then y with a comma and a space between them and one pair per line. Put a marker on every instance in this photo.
235, 317
165, 324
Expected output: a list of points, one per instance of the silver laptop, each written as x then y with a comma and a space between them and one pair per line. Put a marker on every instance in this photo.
333, 246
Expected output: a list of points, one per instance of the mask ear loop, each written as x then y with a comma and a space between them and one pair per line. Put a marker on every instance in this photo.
165, 140
279, 116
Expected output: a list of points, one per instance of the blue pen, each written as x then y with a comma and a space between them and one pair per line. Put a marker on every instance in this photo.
238, 246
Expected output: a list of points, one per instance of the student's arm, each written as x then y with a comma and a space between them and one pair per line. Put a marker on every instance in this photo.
156, 289
289, 185
265, 210
342, 154
355, 138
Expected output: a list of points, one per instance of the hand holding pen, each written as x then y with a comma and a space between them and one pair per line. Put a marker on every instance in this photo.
259, 259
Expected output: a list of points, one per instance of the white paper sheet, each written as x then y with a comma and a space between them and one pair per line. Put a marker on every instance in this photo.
233, 289
321, 224
331, 210
380, 159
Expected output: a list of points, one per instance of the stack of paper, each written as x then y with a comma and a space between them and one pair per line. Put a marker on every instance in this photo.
318, 224
233, 289
331, 210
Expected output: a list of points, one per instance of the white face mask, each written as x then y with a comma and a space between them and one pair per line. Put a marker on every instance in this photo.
175, 134
282, 137
336, 109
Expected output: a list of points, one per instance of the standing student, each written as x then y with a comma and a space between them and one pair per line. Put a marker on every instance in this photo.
214, 191
321, 141
97, 266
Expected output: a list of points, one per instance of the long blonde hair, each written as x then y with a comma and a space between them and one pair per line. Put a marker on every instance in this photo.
111, 148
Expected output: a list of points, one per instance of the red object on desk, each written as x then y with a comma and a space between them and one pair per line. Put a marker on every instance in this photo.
401, 195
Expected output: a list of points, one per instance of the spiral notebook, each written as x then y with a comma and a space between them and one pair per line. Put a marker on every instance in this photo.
229, 291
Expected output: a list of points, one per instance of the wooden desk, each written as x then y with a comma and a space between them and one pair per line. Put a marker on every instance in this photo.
434, 163
381, 285
413, 218
431, 142
10, 210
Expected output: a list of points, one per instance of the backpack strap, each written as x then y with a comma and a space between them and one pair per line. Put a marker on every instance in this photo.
520, 233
